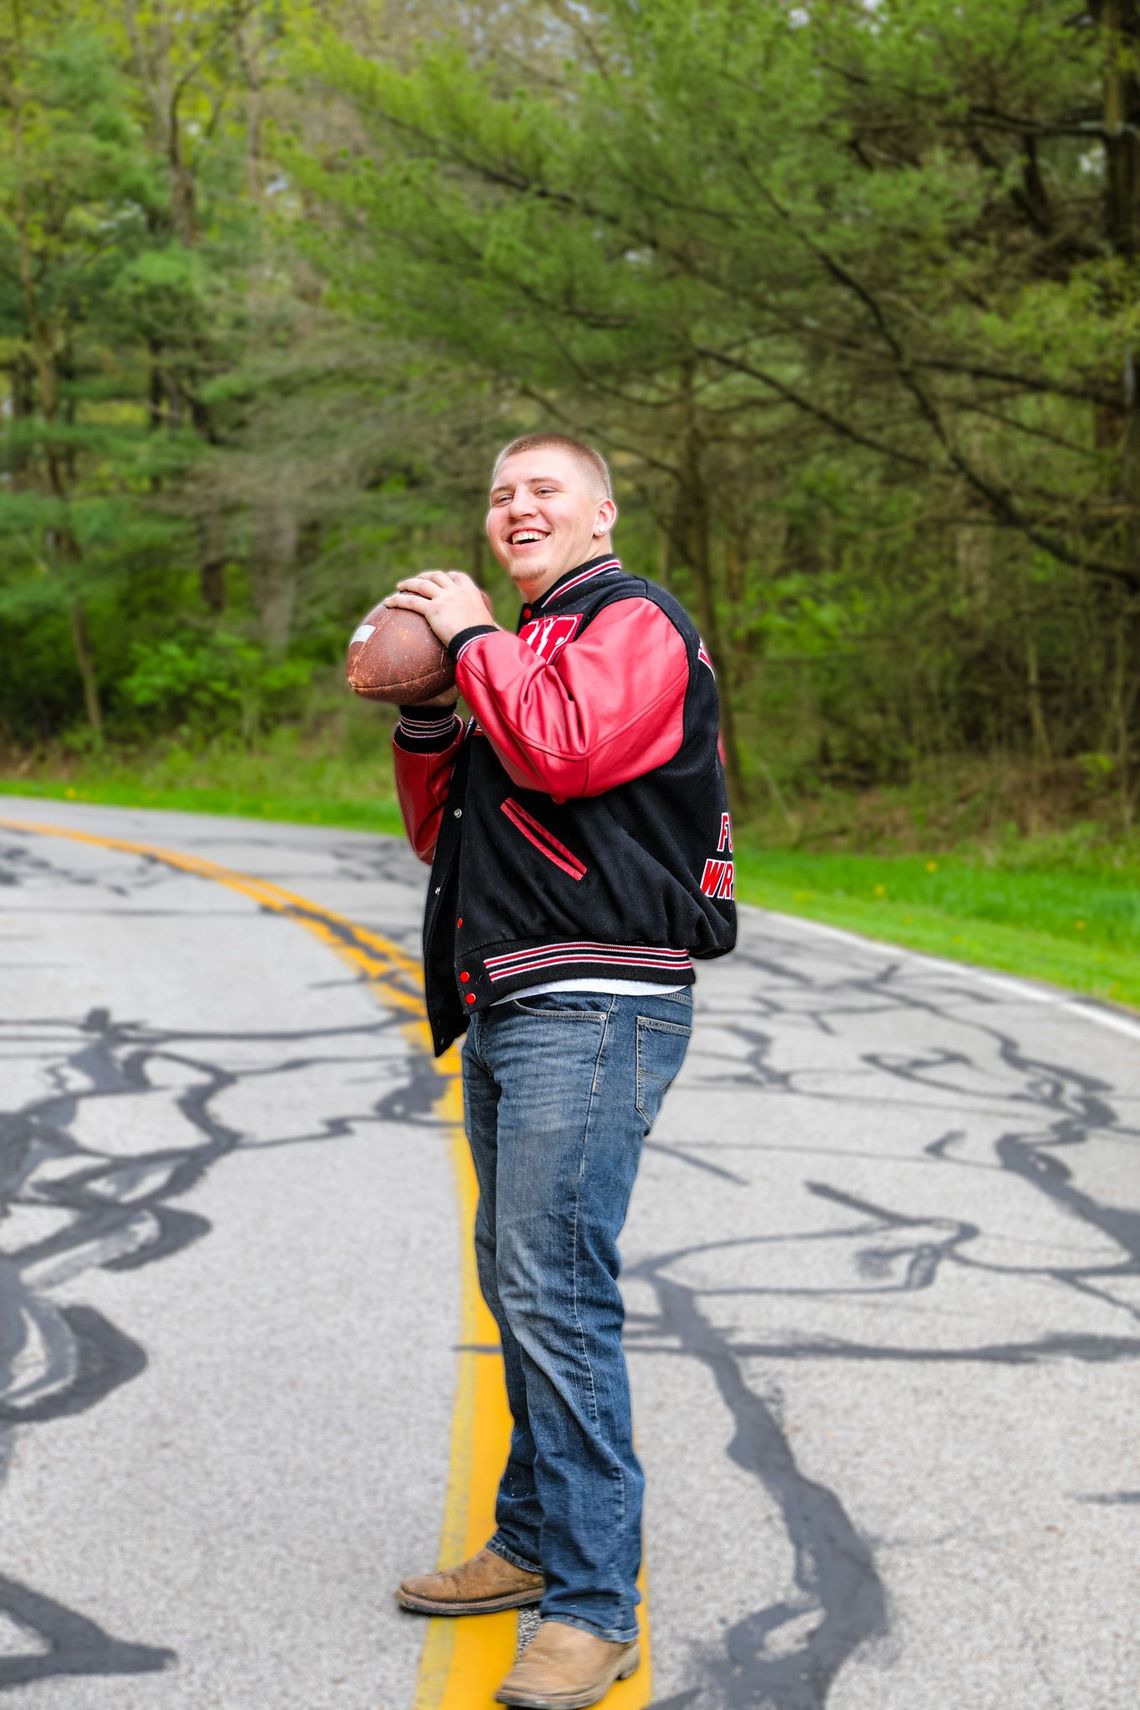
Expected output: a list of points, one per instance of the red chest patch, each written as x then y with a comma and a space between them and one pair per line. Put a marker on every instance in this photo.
545, 635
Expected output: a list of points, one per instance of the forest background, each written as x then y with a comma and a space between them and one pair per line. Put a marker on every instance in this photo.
846, 290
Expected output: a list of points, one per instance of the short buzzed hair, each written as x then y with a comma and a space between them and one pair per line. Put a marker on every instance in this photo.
576, 447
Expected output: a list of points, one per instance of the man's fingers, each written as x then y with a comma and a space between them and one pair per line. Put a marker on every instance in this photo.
422, 592
430, 580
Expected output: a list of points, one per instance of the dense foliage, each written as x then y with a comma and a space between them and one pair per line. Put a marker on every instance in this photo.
847, 290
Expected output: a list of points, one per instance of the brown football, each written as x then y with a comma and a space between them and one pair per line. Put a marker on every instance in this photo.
394, 655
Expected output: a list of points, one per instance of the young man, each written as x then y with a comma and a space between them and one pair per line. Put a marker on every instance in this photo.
581, 857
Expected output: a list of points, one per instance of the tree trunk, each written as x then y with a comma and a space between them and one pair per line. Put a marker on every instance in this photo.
21, 398
691, 531
668, 558
274, 568
249, 37
212, 561
156, 388
478, 558
85, 660
1123, 688
1120, 27
1042, 748
735, 562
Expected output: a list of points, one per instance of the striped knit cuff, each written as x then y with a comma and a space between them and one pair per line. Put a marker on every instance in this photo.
426, 730
458, 642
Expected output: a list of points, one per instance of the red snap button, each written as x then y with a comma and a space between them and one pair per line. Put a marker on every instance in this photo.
465, 976
470, 997
459, 922
526, 611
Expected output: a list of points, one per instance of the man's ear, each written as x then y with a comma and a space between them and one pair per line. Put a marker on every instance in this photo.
605, 517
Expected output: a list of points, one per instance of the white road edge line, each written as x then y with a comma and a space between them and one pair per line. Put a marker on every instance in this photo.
1086, 1009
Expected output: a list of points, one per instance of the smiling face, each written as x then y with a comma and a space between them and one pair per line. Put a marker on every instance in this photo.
549, 513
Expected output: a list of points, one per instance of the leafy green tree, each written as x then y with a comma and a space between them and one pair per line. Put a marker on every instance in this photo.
737, 241
138, 299
847, 292
75, 197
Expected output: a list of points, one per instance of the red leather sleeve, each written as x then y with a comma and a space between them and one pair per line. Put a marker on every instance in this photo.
422, 781
607, 708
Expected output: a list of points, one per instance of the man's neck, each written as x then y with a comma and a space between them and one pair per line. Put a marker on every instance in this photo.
532, 592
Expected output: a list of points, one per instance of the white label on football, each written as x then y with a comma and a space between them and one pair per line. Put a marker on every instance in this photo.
363, 633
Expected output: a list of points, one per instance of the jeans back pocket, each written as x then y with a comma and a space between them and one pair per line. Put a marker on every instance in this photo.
661, 1048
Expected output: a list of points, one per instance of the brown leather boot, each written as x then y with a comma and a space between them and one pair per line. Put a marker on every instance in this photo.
565, 1668
477, 1587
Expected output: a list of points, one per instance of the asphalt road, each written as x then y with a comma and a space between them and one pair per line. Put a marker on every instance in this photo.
882, 1277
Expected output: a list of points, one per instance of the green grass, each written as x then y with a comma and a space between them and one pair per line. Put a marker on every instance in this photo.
281, 782
1063, 908
1075, 925
298, 807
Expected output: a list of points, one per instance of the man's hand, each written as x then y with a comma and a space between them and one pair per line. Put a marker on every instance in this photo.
448, 599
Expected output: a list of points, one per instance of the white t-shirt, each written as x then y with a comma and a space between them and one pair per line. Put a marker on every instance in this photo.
625, 988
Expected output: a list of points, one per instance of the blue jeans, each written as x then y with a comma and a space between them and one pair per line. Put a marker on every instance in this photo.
560, 1090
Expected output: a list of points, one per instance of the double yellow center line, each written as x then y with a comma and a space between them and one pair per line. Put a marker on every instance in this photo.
463, 1660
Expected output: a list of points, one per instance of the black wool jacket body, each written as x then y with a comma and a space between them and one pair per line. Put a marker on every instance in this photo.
577, 825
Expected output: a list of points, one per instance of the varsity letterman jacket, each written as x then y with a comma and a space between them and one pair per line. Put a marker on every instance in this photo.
577, 825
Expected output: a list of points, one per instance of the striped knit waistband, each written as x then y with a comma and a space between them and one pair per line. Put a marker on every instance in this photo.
584, 952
